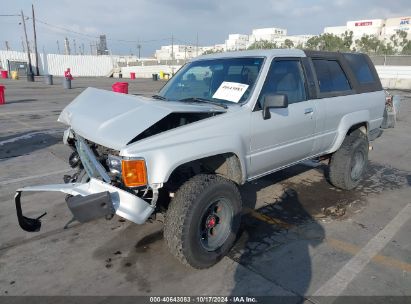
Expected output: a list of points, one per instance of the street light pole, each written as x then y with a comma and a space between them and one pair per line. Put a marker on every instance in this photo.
30, 75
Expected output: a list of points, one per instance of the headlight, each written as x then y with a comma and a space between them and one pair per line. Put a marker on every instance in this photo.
134, 172
114, 164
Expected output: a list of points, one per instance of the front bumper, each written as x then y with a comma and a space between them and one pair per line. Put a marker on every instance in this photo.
85, 204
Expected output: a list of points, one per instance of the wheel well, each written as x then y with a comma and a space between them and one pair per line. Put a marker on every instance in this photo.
362, 126
227, 165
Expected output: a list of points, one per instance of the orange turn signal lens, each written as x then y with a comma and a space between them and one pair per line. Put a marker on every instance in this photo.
134, 172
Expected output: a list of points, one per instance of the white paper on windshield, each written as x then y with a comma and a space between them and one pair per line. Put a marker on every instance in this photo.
231, 91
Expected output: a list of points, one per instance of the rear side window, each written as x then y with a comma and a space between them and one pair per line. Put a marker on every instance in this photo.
330, 75
360, 67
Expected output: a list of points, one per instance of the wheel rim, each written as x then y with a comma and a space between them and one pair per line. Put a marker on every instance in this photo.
215, 224
357, 165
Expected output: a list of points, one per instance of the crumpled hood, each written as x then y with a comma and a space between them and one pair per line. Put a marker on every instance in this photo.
113, 119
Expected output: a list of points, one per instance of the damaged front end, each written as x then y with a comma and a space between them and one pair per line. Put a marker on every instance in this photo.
99, 193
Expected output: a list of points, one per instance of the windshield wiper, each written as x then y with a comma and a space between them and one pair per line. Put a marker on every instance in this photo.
159, 97
199, 99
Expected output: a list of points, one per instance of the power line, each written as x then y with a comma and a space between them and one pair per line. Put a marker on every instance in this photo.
185, 42
97, 37
65, 29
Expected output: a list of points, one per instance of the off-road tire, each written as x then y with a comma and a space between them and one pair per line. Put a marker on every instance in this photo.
184, 216
342, 161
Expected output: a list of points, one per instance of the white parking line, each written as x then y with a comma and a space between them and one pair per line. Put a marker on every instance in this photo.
21, 179
29, 135
30, 111
339, 282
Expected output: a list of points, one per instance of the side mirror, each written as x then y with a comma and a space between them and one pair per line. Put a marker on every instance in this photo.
274, 101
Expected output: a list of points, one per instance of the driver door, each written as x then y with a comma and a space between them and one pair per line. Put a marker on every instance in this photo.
287, 136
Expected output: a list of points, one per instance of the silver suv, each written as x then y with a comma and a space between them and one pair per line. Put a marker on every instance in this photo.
221, 121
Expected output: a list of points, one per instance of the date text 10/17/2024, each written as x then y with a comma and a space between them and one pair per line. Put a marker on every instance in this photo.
203, 299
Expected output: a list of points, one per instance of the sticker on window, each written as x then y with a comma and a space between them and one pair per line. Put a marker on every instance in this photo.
231, 91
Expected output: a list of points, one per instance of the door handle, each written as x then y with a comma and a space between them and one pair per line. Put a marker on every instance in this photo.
308, 111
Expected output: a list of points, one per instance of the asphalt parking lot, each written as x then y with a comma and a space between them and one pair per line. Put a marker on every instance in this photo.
300, 237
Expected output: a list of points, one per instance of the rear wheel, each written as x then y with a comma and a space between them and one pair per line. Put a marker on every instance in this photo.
203, 220
348, 164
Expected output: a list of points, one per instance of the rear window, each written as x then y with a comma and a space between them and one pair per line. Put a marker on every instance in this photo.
360, 67
330, 75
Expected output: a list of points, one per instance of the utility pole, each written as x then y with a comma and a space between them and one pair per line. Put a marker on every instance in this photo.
139, 48
22, 45
29, 78
172, 48
74, 47
197, 45
35, 41
58, 47
7, 46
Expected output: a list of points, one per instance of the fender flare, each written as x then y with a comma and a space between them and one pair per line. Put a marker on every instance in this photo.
346, 123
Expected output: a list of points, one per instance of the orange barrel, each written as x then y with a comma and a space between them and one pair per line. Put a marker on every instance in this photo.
132, 75
4, 74
120, 87
2, 98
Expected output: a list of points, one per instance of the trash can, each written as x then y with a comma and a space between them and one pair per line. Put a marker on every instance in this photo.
14, 75
132, 75
155, 77
67, 83
120, 87
48, 79
30, 77
4, 74
2, 97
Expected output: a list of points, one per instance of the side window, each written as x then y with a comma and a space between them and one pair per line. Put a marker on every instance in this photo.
284, 77
330, 75
360, 67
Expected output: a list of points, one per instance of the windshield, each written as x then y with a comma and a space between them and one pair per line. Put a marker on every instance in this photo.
201, 80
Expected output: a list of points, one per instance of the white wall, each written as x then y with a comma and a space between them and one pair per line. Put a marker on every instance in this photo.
56, 64
80, 65
395, 77
392, 77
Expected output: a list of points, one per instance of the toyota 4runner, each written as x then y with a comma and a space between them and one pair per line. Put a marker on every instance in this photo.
221, 121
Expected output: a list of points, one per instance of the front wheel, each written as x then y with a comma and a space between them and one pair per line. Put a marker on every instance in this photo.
203, 220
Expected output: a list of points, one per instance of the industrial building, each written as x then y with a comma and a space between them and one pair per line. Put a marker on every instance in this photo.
383, 29
233, 43
177, 51
102, 46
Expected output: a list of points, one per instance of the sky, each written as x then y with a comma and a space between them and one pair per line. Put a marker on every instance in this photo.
154, 22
